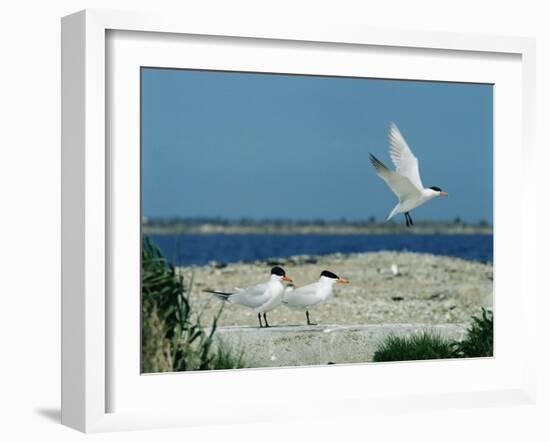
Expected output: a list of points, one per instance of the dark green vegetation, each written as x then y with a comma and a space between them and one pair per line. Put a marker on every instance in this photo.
478, 342
411, 348
172, 338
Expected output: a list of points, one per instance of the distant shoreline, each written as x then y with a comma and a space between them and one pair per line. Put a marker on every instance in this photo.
420, 228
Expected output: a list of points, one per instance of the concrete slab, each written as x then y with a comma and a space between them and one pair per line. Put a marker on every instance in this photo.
295, 345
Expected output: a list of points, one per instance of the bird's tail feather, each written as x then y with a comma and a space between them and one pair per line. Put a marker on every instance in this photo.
224, 296
393, 212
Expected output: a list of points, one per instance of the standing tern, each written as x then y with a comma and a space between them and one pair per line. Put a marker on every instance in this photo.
261, 298
312, 295
405, 181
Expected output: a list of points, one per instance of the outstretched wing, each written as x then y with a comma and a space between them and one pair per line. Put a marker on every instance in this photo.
399, 184
406, 164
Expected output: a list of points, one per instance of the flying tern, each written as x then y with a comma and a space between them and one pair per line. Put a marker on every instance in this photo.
405, 181
312, 295
261, 298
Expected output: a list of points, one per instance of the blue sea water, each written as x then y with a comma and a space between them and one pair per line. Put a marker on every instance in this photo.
199, 249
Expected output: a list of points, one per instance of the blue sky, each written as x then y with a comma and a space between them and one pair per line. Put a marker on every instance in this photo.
281, 146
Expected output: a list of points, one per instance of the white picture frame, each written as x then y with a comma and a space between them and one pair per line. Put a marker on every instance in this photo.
87, 208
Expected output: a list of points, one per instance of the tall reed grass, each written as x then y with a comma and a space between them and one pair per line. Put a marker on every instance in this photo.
172, 337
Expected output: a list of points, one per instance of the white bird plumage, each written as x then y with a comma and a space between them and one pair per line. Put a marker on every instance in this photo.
405, 181
261, 298
312, 295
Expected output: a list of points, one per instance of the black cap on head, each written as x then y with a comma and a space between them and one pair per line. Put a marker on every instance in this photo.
278, 271
437, 189
329, 274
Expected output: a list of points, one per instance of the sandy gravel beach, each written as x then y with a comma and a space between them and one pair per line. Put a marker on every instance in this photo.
421, 288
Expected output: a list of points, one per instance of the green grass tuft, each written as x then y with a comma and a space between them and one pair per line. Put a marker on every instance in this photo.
226, 358
478, 342
415, 347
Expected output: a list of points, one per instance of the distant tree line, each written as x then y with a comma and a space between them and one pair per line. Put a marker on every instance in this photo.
247, 221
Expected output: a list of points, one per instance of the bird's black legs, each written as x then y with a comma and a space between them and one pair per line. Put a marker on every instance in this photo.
260, 319
308, 321
265, 319
408, 219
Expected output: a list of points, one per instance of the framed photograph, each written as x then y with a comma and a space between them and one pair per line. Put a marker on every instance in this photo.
316, 220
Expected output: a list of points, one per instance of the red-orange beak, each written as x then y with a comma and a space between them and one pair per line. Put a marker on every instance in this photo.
286, 278
443, 194
342, 281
